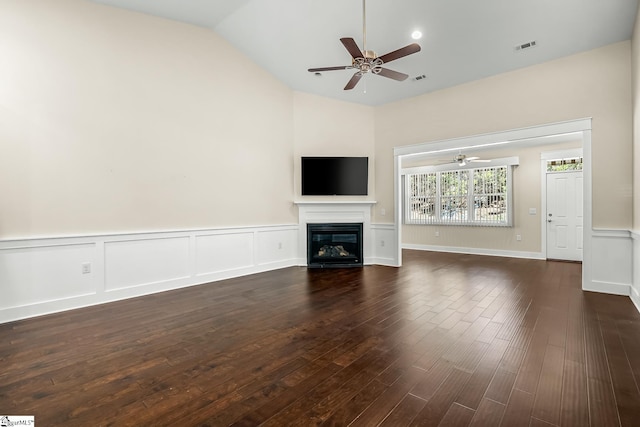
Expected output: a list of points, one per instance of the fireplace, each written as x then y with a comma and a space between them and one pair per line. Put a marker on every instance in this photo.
334, 245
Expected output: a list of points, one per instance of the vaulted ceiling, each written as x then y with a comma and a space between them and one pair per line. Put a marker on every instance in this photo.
462, 40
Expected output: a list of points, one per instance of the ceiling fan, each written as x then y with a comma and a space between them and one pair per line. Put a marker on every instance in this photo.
367, 61
462, 160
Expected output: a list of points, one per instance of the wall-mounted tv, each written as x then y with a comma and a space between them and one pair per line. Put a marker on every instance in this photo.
335, 176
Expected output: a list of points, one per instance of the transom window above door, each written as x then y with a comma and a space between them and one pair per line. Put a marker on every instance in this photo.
565, 165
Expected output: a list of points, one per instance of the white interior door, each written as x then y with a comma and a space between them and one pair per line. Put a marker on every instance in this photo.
564, 216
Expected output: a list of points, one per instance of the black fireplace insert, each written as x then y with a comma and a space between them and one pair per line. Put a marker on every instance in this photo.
334, 245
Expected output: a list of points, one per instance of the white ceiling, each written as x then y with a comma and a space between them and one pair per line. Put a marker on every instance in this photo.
463, 40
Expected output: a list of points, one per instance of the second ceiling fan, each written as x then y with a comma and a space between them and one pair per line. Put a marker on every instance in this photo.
462, 160
367, 61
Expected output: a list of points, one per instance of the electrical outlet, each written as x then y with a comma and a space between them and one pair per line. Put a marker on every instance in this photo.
437, 234
382, 243
518, 237
86, 268
279, 245
383, 211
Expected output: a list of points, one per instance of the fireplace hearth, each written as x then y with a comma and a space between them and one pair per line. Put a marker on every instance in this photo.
334, 245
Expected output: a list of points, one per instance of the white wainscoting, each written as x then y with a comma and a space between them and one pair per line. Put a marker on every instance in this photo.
384, 240
131, 263
611, 266
40, 276
635, 284
44, 271
224, 252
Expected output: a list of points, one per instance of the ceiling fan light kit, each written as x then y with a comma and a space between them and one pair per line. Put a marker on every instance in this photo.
367, 61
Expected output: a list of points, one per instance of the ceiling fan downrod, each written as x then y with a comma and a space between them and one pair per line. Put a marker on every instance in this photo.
364, 27
369, 62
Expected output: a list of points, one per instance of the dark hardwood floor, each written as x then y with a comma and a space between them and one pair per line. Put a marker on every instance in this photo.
446, 340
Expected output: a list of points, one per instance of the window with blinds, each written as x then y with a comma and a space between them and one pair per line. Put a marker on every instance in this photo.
454, 196
479, 196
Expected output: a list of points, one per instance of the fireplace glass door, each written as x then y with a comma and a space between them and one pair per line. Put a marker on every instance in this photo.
334, 245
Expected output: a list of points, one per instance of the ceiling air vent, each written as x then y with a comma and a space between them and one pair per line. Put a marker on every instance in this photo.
527, 45
420, 77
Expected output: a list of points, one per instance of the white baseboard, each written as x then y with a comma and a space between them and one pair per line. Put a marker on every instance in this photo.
475, 251
387, 262
43, 276
607, 287
635, 298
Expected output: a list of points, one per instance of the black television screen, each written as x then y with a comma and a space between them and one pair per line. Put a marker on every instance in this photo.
335, 176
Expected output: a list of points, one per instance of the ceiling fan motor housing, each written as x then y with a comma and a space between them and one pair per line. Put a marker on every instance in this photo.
367, 65
369, 54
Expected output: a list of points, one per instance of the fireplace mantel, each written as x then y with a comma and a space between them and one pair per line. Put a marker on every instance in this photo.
334, 211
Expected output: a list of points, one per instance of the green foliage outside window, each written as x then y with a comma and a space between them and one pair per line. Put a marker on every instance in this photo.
564, 165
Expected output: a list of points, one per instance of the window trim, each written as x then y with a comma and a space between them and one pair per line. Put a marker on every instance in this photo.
508, 162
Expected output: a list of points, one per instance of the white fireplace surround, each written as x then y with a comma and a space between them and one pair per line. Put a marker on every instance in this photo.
325, 212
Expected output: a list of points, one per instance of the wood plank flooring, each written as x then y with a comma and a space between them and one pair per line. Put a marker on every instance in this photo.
446, 340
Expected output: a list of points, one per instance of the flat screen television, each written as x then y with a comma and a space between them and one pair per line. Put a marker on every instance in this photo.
335, 176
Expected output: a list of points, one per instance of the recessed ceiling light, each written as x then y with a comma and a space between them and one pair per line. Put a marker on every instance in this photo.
416, 35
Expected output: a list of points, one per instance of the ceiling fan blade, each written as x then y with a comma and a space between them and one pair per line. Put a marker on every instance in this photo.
354, 81
352, 47
395, 75
402, 52
472, 158
341, 67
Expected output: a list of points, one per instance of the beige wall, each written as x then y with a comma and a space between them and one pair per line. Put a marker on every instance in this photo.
593, 84
115, 121
326, 127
